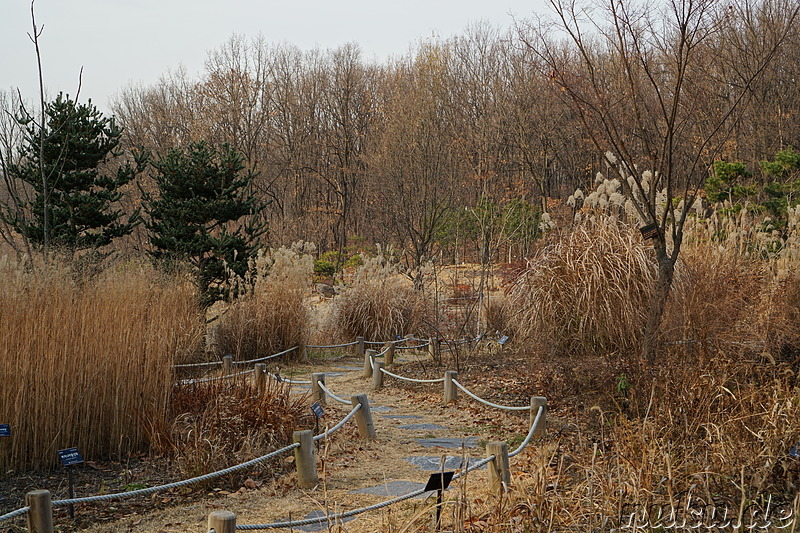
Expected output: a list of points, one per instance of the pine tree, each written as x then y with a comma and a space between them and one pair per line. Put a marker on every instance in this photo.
204, 212
65, 163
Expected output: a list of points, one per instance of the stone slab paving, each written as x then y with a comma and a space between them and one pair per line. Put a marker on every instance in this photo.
442, 442
402, 417
381, 408
351, 368
427, 427
391, 489
434, 463
323, 524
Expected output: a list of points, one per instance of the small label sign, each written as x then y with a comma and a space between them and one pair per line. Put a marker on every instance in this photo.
317, 409
5, 430
439, 481
795, 451
70, 456
278, 377
503, 340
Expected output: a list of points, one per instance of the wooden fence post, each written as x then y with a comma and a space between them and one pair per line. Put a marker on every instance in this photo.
364, 417
369, 355
499, 472
227, 365
536, 402
360, 346
40, 515
450, 390
303, 352
304, 459
222, 522
317, 394
433, 344
390, 354
260, 378
377, 375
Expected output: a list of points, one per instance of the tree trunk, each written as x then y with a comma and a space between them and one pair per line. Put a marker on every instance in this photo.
655, 314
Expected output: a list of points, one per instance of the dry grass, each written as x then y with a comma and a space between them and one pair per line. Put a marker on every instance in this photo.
586, 294
379, 304
269, 315
217, 424
89, 364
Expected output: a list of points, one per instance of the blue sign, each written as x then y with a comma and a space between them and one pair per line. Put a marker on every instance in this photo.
70, 456
503, 340
318, 411
795, 451
398, 337
5, 430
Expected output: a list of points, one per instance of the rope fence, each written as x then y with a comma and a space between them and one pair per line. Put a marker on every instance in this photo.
487, 402
333, 518
332, 395
342, 422
358, 403
217, 378
413, 380
320, 347
248, 361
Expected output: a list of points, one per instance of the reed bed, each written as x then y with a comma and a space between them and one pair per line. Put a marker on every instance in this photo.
88, 362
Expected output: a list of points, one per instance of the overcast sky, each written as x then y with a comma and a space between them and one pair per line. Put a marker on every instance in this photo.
122, 42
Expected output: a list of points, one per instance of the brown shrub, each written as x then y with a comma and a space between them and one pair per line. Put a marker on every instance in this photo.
221, 423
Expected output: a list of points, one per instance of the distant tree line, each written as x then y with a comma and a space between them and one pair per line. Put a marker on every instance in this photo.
450, 151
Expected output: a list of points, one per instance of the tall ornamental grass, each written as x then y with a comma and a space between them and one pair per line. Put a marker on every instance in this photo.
87, 362
269, 314
379, 304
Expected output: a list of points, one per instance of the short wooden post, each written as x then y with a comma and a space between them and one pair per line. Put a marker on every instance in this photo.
227, 365
536, 402
364, 417
369, 356
303, 352
389, 354
304, 459
377, 375
260, 378
317, 394
450, 390
222, 522
360, 346
499, 472
40, 515
432, 348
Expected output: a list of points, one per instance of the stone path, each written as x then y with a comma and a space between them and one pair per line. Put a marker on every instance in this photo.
413, 426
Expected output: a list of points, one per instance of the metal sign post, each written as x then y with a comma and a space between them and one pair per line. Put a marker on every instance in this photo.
439, 482
69, 458
316, 408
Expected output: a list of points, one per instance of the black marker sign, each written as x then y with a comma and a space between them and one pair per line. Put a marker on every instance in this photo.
70, 456
5, 430
318, 411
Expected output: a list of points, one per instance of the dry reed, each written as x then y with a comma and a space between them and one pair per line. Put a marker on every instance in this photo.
87, 364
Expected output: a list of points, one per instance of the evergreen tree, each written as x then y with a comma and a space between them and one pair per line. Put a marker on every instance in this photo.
206, 213
65, 162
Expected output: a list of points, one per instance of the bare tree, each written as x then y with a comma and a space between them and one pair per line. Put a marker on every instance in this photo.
641, 78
